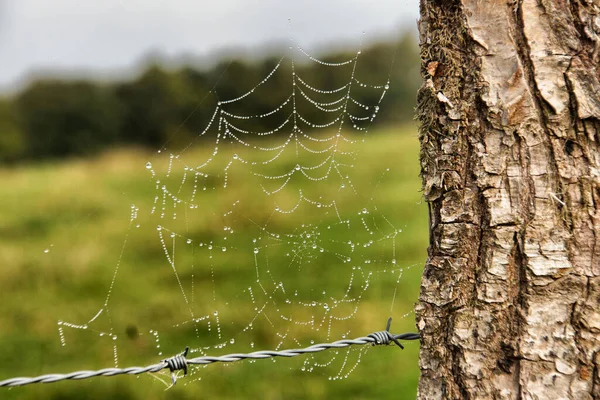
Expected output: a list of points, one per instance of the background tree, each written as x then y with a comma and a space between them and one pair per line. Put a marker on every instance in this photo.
152, 106
510, 122
12, 141
166, 106
65, 118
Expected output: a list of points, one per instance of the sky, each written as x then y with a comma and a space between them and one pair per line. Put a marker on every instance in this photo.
111, 37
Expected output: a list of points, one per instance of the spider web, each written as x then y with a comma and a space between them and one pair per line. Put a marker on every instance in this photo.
277, 209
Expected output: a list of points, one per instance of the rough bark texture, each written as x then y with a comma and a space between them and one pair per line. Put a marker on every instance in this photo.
510, 123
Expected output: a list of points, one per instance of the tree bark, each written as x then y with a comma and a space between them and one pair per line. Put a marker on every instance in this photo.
509, 126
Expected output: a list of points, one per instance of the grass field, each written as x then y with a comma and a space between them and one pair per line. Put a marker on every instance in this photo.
63, 227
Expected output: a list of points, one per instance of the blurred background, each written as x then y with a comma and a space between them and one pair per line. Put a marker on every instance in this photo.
90, 91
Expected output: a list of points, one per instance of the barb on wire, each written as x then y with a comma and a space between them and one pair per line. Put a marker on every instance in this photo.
180, 362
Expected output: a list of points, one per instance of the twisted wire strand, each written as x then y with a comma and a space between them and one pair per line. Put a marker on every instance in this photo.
179, 361
257, 355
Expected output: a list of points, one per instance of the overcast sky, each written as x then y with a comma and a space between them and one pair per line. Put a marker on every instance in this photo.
111, 36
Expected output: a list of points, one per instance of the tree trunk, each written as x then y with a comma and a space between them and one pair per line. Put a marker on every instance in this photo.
510, 122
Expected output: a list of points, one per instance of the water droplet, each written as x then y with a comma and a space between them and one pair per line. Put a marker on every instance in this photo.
256, 250
148, 165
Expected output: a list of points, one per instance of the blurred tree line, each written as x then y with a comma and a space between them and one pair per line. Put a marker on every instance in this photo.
56, 118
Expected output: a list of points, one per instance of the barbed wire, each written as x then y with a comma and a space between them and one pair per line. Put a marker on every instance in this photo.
180, 362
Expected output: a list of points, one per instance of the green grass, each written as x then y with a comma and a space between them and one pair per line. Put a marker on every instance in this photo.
79, 210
